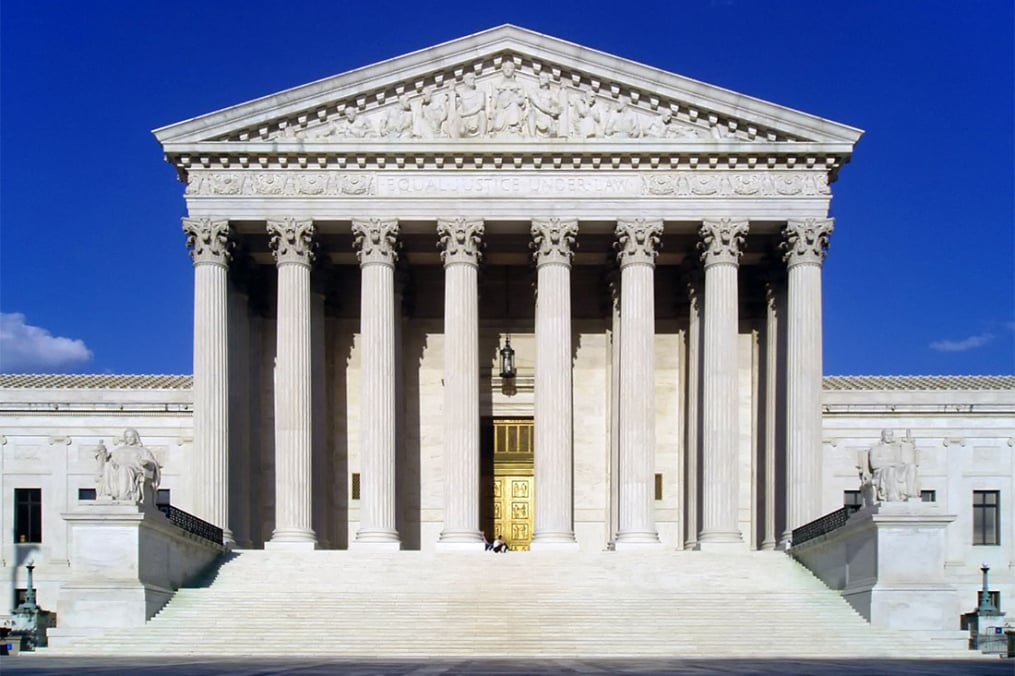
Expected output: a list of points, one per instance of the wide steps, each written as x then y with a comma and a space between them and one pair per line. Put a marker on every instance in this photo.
413, 604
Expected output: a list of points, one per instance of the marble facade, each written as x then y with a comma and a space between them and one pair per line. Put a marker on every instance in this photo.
364, 245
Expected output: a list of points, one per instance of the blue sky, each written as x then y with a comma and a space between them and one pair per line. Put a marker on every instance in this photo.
95, 277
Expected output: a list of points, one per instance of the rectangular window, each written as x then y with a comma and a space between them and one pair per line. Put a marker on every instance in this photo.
162, 496
852, 501
355, 486
659, 486
86, 494
928, 496
28, 515
986, 517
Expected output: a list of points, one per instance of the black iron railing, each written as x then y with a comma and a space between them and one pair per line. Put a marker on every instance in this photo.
820, 526
191, 523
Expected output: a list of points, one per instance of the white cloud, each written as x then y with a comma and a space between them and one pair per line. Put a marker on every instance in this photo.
31, 349
970, 343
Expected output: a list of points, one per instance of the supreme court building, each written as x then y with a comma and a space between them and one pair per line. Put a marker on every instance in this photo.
513, 285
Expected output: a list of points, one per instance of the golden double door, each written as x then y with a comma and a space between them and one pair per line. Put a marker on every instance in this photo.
508, 490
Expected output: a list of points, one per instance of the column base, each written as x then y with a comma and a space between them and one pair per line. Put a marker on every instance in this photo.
302, 539
461, 537
722, 547
289, 546
637, 540
387, 539
374, 546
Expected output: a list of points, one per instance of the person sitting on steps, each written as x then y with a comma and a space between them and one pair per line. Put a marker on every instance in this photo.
499, 546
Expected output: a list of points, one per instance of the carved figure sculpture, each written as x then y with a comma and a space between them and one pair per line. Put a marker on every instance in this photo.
665, 126
125, 473
508, 104
471, 108
434, 114
586, 120
398, 122
623, 122
888, 470
544, 113
349, 126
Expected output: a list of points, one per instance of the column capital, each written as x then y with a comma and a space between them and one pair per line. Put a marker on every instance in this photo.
461, 240
806, 240
553, 240
376, 240
209, 240
722, 241
638, 240
292, 240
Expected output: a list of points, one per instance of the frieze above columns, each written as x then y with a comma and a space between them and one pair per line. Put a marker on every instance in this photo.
806, 240
376, 240
638, 240
292, 240
495, 181
209, 240
461, 240
553, 240
722, 241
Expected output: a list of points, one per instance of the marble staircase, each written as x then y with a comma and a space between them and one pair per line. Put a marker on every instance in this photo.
412, 604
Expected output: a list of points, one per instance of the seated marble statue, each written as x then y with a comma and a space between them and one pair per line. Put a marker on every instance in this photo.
129, 473
888, 470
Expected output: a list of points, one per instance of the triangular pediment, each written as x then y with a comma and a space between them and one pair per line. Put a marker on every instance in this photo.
506, 85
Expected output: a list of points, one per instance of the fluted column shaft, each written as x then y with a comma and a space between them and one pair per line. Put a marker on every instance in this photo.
460, 243
553, 240
692, 428
771, 396
637, 244
721, 245
292, 245
376, 241
805, 245
208, 241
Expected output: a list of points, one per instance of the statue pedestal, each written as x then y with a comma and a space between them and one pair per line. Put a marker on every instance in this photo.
895, 566
126, 561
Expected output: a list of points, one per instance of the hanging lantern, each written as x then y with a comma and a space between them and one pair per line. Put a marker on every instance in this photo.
507, 360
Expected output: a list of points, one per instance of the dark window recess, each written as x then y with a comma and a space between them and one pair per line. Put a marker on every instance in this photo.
21, 594
986, 517
86, 494
28, 515
659, 486
162, 497
355, 486
928, 496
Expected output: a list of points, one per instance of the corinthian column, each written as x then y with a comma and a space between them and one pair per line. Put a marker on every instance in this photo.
692, 440
460, 240
292, 246
210, 250
553, 240
637, 244
721, 246
805, 244
376, 241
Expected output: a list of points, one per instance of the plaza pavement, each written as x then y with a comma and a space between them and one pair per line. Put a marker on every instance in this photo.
43, 665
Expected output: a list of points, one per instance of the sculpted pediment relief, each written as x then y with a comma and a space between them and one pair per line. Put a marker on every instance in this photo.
506, 85
511, 99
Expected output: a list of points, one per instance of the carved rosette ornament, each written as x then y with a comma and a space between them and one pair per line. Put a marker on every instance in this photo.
208, 240
638, 240
292, 240
376, 240
722, 241
461, 240
553, 240
806, 240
